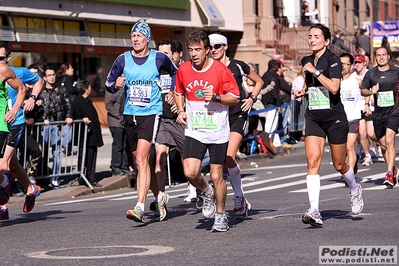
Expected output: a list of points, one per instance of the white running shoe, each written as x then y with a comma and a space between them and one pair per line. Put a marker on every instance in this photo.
209, 205
247, 207
192, 194
221, 223
239, 205
367, 161
190, 197
312, 217
357, 203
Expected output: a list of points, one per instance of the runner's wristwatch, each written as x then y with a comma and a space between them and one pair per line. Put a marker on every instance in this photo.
316, 74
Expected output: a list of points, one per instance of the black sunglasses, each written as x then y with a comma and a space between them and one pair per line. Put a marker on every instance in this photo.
217, 46
3, 57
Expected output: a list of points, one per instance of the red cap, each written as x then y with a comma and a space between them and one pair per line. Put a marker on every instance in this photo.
360, 58
281, 61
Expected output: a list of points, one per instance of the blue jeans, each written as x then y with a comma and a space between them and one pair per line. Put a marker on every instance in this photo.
67, 138
52, 134
284, 122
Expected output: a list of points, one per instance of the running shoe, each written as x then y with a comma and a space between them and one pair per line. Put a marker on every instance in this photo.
199, 202
221, 223
191, 195
190, 198
357, 203
153, 204
31, 199
239, 205
160, 208
4, 213
395, 175
389, 181
312, 217
5, 192
54, 183
136, 214
244, 215
367, 161
209, 205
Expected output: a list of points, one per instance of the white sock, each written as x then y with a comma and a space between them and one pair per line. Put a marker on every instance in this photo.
141, 205
5, 182
313, 185
351, 180
192, 189
367, 155
158, 198
235, 180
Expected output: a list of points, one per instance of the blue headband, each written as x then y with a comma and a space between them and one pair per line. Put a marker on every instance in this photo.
143, 28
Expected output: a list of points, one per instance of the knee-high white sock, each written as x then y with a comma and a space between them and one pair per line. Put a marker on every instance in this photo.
351, 180
235, 180
313, 185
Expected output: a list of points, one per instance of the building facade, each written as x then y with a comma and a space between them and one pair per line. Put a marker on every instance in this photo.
91, 34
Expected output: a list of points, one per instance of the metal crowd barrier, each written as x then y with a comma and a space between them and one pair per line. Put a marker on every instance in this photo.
68, 163
296, 121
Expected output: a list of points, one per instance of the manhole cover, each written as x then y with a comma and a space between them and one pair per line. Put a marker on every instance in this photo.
101, 252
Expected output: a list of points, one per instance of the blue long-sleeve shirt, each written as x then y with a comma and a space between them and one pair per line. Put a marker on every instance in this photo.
142, 88
162, 63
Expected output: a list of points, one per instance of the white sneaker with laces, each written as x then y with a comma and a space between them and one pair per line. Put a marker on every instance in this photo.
192, 194
312, 217
357, 203
209, 205
367, 161
239, 205
190, 197
221, 223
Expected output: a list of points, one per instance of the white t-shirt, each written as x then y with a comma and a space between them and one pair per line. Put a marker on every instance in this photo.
360, 77
351, 98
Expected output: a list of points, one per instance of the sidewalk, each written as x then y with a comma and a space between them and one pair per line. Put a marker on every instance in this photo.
110, 182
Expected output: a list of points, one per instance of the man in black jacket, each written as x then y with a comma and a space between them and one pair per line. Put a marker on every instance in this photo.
57, 107
271, 99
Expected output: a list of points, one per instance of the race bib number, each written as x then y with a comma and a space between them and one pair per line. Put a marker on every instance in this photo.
385, 98
319, 98
165, 83
347, 96
204, 119
140, 95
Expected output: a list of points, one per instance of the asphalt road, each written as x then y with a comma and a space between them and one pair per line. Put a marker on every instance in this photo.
93, 230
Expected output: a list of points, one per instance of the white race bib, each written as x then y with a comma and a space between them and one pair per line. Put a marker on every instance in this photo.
140, 95
204, 119
385, 98
319, 98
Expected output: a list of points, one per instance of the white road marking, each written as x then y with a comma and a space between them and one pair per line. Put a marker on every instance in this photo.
248, 183
340, 184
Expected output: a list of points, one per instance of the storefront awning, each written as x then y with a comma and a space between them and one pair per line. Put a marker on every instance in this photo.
212, 18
